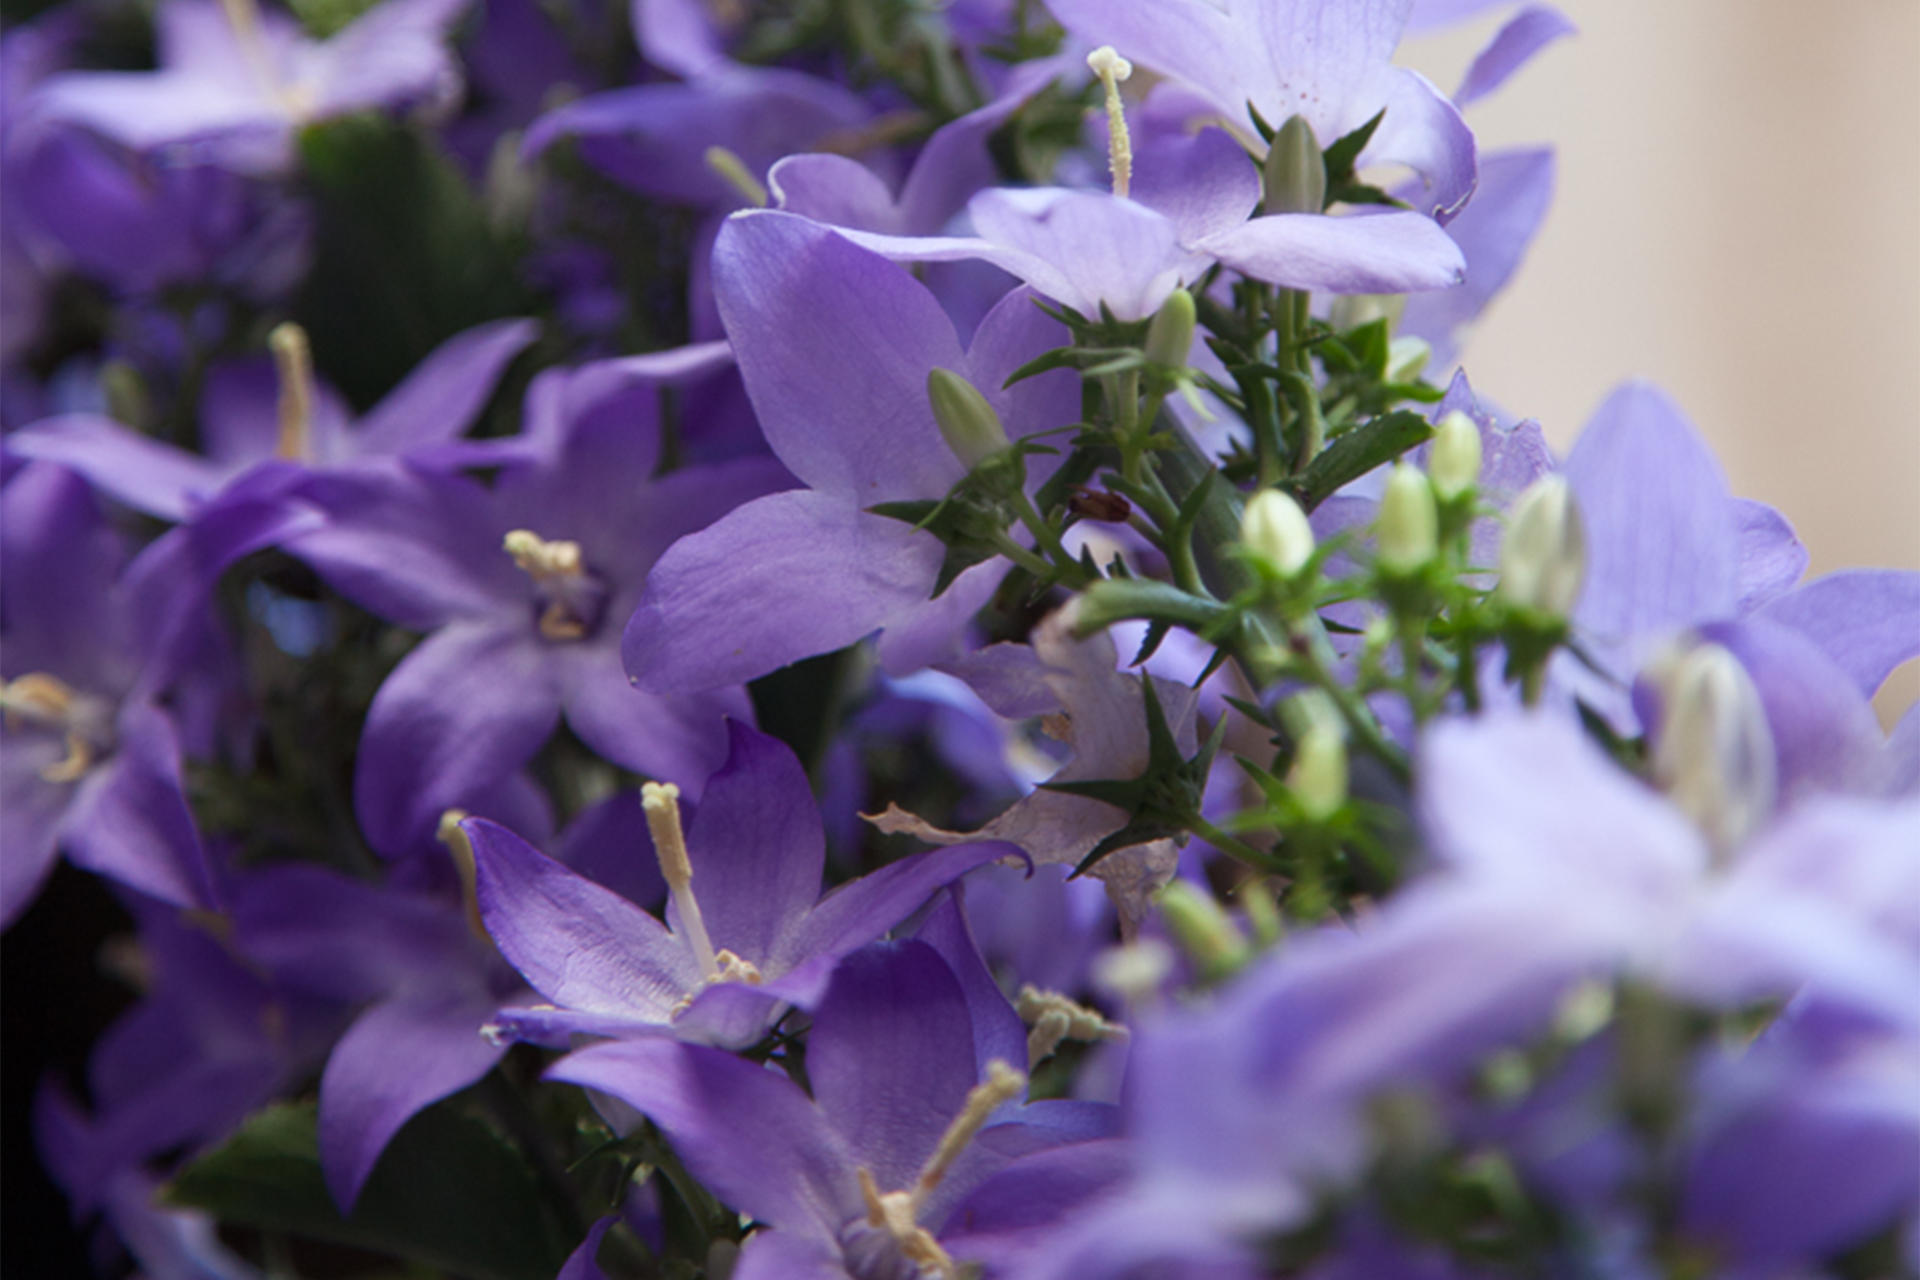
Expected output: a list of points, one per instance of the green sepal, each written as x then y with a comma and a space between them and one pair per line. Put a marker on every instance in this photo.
1164, 801
1342, 154
449, 1193
1359, 451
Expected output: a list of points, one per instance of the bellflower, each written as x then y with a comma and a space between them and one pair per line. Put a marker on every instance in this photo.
235, 83
834, 345
253, 415
1189, 210
91, 761
522, 587
914, 1103
424, 985
1325, 60
747, 932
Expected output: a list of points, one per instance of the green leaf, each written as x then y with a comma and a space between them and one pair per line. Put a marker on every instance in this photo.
448, 1193
1360, 451
1115, 599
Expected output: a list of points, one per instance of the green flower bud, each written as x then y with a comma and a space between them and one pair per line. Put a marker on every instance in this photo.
1170, 335
1408, 528
1295, 172
1713, 752
1276, 529
1454, 464
1406, 357
1318, 778
1543, 558
1203, 928
967, 422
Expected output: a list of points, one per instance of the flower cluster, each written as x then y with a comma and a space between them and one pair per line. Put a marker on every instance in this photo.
1039, 728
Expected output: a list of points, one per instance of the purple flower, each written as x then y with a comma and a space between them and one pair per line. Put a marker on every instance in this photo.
522, 587
251, 415
91, 763
235, 84
1326, 60
914, 1104
835, 344
1190, 208
747, 932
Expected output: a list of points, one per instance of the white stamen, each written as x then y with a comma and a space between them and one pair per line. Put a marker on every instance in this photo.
661, 802
550, 564
293, 364
39, 699
1112, 69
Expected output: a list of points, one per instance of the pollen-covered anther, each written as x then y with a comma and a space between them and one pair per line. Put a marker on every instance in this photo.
661, 803
1054, 1019
893, 1212
1107, 64
555, 566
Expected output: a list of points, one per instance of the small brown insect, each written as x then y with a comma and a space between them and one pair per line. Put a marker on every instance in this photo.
1099, 504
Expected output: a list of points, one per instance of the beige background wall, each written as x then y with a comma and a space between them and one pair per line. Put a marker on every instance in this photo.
1738, 218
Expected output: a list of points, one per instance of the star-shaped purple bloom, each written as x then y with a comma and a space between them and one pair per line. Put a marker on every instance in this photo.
914, 1104
748, 935
235, 83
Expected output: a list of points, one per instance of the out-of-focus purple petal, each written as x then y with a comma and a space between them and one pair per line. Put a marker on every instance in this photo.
835, 190
1525, 34
676, 738
129, 819
583, 1263
471, 704
392, 54
834, 345
1866, 620
30, 812
396, 1058
785, 1255
782, 578
143, 473
744, 1130
581, 946
439, 399
1574, 811
1364, 253
1772, 557
1662, 550
1825, 736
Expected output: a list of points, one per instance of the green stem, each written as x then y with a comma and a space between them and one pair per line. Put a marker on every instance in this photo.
1234, 846
1021, 556
1316, 658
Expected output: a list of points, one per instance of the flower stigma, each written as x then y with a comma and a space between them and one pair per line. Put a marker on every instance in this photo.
661, 802
293, 367
1107, 64
898, 1212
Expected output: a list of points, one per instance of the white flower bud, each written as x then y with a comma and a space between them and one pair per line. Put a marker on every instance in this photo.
1408, 528
1454, 463
1170, 335
1543, 558
1406, 357
1318, 777
967, 422
1276, 529
1713, 753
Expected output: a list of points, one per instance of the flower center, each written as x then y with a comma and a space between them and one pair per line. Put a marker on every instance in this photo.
889, 1243
40, 701
293, 368
569, 599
